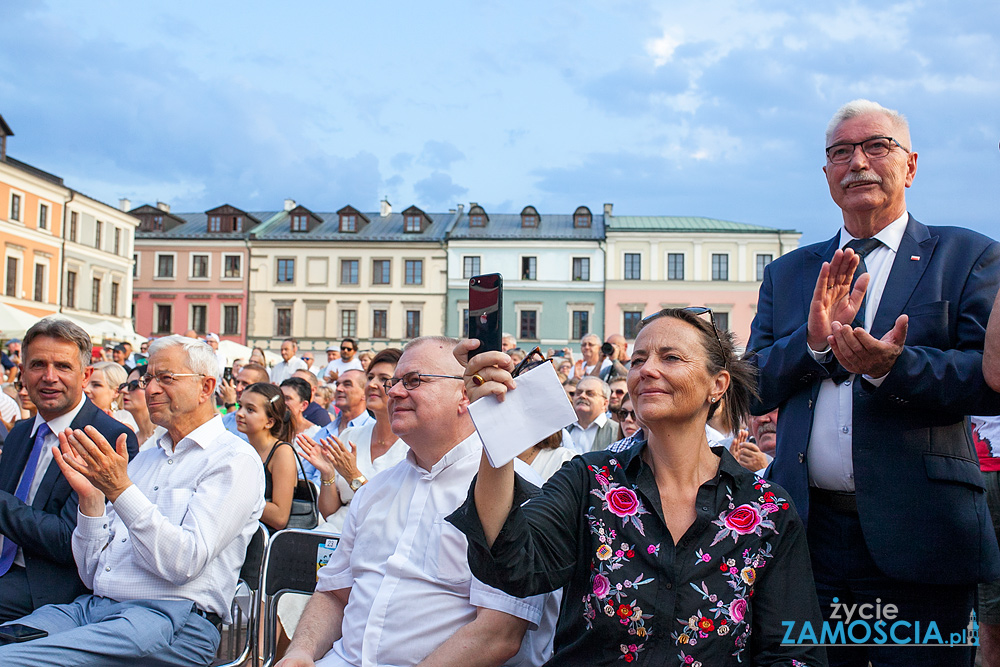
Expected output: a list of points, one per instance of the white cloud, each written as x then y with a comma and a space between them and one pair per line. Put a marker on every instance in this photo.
662, 49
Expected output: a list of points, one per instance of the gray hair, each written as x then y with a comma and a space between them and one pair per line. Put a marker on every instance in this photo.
592, 335
605, 387
54, 327
200, 357
861, 107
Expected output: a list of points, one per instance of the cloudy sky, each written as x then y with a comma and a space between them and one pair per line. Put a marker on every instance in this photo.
714, 108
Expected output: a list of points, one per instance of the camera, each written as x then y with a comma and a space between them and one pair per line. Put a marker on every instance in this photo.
607, 349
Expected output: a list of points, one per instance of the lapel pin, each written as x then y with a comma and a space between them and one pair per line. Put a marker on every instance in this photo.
914, 258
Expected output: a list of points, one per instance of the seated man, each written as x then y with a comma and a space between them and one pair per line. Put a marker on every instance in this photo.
398, 589
161, 557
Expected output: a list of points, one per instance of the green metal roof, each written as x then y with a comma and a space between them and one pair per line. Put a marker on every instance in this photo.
683, 223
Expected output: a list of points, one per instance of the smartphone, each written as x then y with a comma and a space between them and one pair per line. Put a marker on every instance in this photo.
227, 374
486, 311
16, 633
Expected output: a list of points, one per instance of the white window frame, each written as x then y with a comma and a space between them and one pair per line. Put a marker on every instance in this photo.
44, 261
222, 318
208, 266
10, 206
17, 254
587, 307
223, 271
528, 305
48, 216
156, 266
191, 306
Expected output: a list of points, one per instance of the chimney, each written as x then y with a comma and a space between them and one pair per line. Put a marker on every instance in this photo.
124, 205
5, 132
163, 206
607, 210
290, 204
461, 210
385, 208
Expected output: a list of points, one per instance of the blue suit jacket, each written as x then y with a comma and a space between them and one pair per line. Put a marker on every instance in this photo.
920, 494
44, 528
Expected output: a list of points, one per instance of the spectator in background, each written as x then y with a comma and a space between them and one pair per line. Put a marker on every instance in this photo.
548, 455
257, 357
10, 358
349, 398
238, 365
347, 361
289, 362
619, 390
250, 374
625, 416
119, 355
297, 393
102, 389
324, 398
263, 418
508, 343
310, 359
591, 363
592, 430
986, 438
365, 357
314, 412
213, 342
134, 400
28, 409
618, 357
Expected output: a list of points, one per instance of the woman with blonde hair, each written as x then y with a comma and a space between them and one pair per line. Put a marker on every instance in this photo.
102, 389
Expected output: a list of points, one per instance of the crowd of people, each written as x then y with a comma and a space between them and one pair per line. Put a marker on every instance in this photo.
704, 500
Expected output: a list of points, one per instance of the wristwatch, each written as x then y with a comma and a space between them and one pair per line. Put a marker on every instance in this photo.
358, 482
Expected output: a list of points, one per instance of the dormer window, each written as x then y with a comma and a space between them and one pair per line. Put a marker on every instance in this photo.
348, 223
158, 223
412, 223
477, 216
529, 217
582, 217
300, 223
226, 219
237, 223
215, 223
351, 220
415, 221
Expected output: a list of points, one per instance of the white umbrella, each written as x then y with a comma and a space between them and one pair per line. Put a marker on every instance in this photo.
14, 321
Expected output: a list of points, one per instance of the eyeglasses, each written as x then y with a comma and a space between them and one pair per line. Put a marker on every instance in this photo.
694, 310
128, 386
618, 392
412, 380
345, 349
531, 360
18, 385
622, 414
876, 147
165, 378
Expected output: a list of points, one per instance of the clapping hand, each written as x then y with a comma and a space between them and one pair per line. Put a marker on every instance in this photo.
834, 301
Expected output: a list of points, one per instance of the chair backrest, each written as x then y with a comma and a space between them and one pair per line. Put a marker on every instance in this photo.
290, 563
239, 642
250, 572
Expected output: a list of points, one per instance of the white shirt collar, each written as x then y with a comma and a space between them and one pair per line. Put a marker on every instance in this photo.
62, 422
470, 445
891, 236
203, 436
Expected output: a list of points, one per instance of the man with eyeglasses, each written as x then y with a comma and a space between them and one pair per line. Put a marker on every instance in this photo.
161, 539
593, 430
397, 554
874, 382
37, 507
347, 361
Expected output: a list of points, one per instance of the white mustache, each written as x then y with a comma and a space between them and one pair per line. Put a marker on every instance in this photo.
860, 177
766, 428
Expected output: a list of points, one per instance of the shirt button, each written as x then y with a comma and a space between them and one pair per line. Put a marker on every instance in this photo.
107, 568
170, 462
124, 539
105, 525
847, 383
846, 430
704, 508
669, 585
156, 488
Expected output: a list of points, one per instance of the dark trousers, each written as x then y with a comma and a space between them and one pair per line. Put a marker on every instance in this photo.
844, 570
15, 596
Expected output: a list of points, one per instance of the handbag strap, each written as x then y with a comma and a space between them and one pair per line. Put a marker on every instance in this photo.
298, 459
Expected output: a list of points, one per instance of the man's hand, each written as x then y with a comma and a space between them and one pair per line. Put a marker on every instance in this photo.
105, 468
227, 391
298, 658
91, 499
750, 457
859, 352
833, 299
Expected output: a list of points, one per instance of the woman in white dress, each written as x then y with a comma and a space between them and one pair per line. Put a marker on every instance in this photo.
361, 452
548, 455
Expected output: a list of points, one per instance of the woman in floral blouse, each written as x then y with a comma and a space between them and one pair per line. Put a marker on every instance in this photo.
669, 551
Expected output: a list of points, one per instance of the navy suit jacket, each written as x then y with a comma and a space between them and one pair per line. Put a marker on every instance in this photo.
44, 529
920, 494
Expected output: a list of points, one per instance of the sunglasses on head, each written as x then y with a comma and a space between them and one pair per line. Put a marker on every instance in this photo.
694, 310
531, 360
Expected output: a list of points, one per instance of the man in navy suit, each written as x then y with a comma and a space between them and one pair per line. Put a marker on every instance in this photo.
37, 507
874, 382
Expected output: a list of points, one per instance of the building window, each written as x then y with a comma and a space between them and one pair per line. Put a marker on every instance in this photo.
300, 223
348, 222
115, 288
348, 272
164, 318
95, 295
631, 324
722, 321
528, 268
232, 266
73, 224
283, 323
158, 227
230, 320
15, 207
215, 223
528, 325
581, 323
98, 227
413, 225
414, 272
237, 223
470, 266
71, 289
675, 266
529, 216
581, 268
135, 265
11, 277
720, 266
199, 266
465, 323
381, 271
762, 262
39, 283
164, 266
286, 271
582, 217
118, 241
380, 324
348, 323
633, 266
413, 324
477, 220
199, 318
43, 216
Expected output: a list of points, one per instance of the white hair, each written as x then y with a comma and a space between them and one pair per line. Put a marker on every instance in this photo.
605, 387
860, 107
200, 357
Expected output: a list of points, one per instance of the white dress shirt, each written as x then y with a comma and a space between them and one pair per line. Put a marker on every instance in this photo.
284, 369
9, 409
338, 366
583, 438
165, 537
830, 452
407, 568
549, 460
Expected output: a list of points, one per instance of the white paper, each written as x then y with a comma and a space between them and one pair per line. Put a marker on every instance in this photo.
534, 410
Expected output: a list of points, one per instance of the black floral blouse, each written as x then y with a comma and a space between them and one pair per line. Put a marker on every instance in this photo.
718, 597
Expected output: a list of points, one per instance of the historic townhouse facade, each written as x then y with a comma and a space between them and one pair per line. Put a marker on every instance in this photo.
552, 266
192, 270
656, 262
379, 277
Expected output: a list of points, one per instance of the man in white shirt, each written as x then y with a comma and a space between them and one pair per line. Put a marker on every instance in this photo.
398, 589
592, 429
347, 360
591, 359
289, 362
150, 540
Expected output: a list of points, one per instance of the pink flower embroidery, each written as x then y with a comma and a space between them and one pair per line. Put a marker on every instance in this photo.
622, 501
738, 609
743, 520
601, 585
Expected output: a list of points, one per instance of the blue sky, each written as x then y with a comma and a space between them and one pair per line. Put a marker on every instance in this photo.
715, 108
